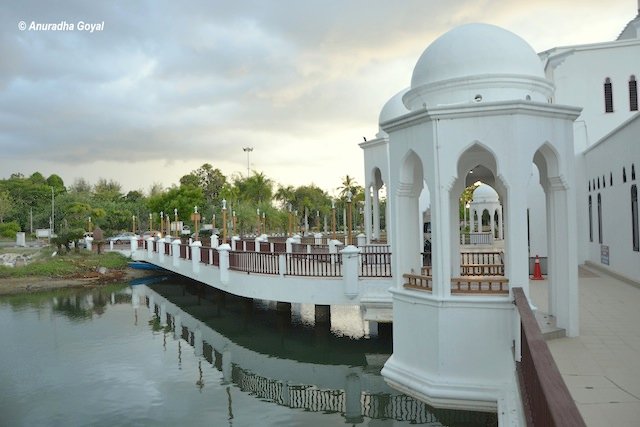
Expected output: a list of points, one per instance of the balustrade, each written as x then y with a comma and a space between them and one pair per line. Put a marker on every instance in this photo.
375, 264
254, 262
316, 265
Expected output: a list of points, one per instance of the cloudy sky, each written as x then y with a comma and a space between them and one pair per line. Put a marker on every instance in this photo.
166, 86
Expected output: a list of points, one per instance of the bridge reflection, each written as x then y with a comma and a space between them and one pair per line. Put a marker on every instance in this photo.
289, 365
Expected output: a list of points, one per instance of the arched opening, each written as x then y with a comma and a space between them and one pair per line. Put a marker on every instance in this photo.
633, 94
375, 208
599, 219
635, 225
608, 96
408, 241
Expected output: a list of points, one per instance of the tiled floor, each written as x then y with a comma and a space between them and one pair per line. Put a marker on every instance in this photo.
601, 367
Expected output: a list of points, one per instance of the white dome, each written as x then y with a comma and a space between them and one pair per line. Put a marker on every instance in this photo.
484, 194
393, 107
474, 63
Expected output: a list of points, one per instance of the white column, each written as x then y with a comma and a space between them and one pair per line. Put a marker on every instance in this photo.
134, 245
500, 225
516, 248
492, 215
150, 241
376, 214
472, 211
367, 213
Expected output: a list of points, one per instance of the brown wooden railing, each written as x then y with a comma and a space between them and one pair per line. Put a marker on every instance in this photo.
155, 246
279, 247
316, 265
167, 248
546, 399
215, 258
375, 265
250, 245
204, 254
183, 251
254, 262
494, 285
481, 264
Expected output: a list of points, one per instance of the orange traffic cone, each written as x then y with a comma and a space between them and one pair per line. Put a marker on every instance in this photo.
537, 273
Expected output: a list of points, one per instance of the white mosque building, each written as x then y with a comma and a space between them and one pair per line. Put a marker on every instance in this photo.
555, 137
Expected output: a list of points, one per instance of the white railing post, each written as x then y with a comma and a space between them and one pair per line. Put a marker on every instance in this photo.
350, 256
196, 247
150, 248
133, 244
361, 239
317, 238
198, 344
110, 245
175, 248
223, 251
282, 264
334, 248
214, 241
257, 241
160, 246
289, 245
234, 243
87, 241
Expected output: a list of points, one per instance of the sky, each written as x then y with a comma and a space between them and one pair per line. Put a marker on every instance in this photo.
163, 87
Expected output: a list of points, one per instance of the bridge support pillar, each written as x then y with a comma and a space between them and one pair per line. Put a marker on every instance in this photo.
323, 314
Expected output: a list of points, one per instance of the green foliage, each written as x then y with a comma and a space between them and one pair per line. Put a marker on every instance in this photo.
9, 229
67, 236
68, 265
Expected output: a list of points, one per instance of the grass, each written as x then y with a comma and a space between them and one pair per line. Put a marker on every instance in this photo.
66, 265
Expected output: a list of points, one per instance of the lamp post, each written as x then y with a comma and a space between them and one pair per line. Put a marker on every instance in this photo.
247, 150
89, 225
161, 222
233, 222
224, 221
175, 214
133, 224
349, 219
258, 221
264, 223
213, 221
150, 223
333, 219
290, 222
196, 220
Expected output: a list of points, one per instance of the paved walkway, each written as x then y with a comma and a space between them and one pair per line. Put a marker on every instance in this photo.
601, 367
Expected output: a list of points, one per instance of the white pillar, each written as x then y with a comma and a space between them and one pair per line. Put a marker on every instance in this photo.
289, 244
500, 225
376, 214
257, 241
317, 238
196, 247
361, 239
150, 241
88, 241
223, 251
175, 249
350, 270
492, 215
134, 245
282, 264
472, 212
367, 213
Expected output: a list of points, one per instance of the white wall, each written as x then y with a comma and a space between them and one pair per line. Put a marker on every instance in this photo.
537, 215
621, 149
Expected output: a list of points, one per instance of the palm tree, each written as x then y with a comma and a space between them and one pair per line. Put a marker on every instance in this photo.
349, 184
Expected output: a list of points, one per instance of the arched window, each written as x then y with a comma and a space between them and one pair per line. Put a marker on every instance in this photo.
599, 219
634, 218
590, 220
633, 172
633, 94
589, 185
611, 179
604, 182
624, 175
608, 96
598, 183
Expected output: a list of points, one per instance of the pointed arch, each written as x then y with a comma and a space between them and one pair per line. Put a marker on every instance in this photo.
547, 161
411, 174
608, 96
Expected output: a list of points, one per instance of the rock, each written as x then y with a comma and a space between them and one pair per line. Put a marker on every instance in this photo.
102, 270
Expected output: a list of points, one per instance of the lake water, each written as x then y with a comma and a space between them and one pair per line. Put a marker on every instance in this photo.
182, 354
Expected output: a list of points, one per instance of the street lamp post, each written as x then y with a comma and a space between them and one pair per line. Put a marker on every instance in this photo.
161, 222
290, 222
349, 219
258, 221
224, 221
264, 223
196, 220
247, 150
89, 225
133, 224
150, 223
233, 222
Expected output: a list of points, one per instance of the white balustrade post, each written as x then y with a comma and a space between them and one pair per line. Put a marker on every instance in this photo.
110, 245
196, 247
334, 248
289, 245
226, 365
234, 243
175, 248
88, 241
214, 241
163, 314
318, 238
361, 239
282, 264
133, 244
150, 241
223, 251
297, 239
160, 246
350, 256
257, 241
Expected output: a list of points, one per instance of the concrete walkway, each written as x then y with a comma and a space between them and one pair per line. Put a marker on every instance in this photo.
601, 367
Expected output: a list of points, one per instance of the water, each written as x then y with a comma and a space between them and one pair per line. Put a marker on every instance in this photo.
181, 354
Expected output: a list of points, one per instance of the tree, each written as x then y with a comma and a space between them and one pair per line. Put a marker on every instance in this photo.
80, 185
6, 205
55, 181
285, 195
107, 190
257, 188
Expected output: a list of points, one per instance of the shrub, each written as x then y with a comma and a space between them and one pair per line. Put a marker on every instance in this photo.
9, 229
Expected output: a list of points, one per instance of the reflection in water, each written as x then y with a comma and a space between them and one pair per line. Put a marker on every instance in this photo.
194, 357
319, 369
